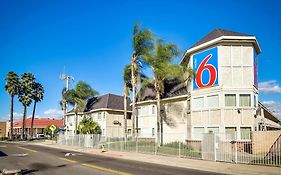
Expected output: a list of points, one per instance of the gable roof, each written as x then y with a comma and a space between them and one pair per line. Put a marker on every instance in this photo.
216, 34
219, 35
108, 101
41, 122
172, 88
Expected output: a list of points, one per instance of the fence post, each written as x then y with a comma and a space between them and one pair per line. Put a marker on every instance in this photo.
236, 149
215, 146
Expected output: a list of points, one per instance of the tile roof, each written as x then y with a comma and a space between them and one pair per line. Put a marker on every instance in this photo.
109, 101
41, 122
216, 34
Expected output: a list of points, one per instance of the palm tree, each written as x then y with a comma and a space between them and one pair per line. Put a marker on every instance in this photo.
63, 101
25, 96
12, 87
88, 126
160, 61
126, 88
142, 44
37, 96
78, 97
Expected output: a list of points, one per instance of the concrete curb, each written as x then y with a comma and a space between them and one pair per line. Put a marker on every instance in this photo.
203, 165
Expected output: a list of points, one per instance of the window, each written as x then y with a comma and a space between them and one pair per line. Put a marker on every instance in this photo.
245, 133
103, 132
104, 115
245, 100
129, 116
198, 103
188, 105
153, 132
230, 133
138, 111
145, 110
213, 101
99, 115
153, 109
255, 101
230, 100
198, 133
138, 131
213, 129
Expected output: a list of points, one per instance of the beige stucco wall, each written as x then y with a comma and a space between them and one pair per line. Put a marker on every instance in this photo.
116, 130
236, 65
174, 124
3, 129
263, 140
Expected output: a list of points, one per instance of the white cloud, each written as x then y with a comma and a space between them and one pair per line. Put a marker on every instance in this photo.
274, 107
17, 116
271, 86
53, 113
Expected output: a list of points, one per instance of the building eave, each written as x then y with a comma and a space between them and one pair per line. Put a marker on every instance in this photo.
165, 99
251, 39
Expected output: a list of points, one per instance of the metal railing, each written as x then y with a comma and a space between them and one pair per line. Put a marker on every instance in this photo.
257, 147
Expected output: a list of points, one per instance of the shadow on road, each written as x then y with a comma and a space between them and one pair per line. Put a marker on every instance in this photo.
2, 154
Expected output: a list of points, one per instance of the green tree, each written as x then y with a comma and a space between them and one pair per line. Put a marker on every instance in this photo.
12, 87
88, 126
160, 61
78, 97
37, 96
63, 101
142, 44
48, 131
126, 92
25, 97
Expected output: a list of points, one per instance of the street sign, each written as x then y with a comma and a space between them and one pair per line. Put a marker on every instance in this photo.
53, 128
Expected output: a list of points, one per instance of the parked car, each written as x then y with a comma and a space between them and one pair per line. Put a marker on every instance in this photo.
40, 136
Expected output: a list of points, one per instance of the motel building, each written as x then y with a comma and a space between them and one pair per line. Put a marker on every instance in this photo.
38, 126
222, 97
107, 111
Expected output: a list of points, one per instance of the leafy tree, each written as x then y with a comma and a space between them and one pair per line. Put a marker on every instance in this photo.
88, 126
48, 131
63, 103
142, 44
160, 61
37, 96
78, 97
12, 87
25, 96
126, 88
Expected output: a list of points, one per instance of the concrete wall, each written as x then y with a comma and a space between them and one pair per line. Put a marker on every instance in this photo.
4, 129
174, 116
235, 76
116, 130
263, 140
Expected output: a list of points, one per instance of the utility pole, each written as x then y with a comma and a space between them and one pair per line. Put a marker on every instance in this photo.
67, 79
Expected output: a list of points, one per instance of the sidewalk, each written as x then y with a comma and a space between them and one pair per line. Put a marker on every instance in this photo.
219, 167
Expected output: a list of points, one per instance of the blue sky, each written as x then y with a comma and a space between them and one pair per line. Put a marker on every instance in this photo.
92, 40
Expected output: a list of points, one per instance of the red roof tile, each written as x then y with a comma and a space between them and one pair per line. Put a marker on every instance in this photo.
41, 122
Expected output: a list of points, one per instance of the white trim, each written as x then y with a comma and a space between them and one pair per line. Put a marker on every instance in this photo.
164, 99
204, 45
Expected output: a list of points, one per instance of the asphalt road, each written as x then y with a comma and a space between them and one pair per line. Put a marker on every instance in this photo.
43, 160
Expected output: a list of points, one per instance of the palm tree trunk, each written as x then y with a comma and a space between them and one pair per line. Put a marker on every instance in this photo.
76, 123
125, 113
32, 120
159, 139
134, 93
23, 123
12, 117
